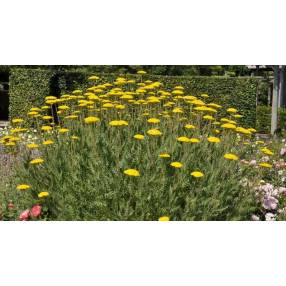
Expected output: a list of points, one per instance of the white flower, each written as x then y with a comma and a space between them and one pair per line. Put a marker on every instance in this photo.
270, 217
255, 217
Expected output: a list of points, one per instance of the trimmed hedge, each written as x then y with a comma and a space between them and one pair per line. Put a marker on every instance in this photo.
29, 87
238, 92
263, 119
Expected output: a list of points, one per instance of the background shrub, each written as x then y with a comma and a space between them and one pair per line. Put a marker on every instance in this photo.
28, 87
263, 119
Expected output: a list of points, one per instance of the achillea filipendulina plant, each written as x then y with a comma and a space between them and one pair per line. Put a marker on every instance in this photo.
124, 156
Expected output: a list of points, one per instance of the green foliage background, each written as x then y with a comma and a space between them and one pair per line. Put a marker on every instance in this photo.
28, 87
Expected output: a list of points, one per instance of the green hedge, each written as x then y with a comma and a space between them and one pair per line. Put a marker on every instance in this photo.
238, 92
29, 87
263, 119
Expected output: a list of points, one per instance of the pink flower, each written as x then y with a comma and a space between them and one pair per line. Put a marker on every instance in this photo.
283, 151
24, 215
36, 211
282, 190
252, 163
270, 203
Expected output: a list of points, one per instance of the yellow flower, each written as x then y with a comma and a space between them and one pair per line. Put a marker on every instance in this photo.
265, 165
43, 194
138, 136
75, 138
194, 140
228, 126
47, 117
176, 164
213, 139
230, 156
63, 130
197, 174
17, 120
118, 123
37, 161
32, 113
63, 107
183, 139
132, 172
32, 146
266, 151
243, 130
208, 117
23, 187
154, 132
189, 126
164, 155
237, 116
231, 110
93, 77
91, 119
141, 72
252, 130
204, 95
177, 110
46, 128
48, 142
120, 106
71, 117
164, 218
153, 120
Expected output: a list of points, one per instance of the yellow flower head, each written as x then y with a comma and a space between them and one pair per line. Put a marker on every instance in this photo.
265, 165
118, 123
230, 156
190, 126
208, 117
154, 132
164, 218
91, 119
132, 172
141, 72
23, 187
176, 164
266, 151
43, 194
164, 155
194, 140
46, 128
139, 136
17, 120
63, 130
93, 77
48, 142
183, 139
213, 139
197, 174
231, 110
228, 126
153, 120
37, 161
47, 117
243, 130
75, 138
